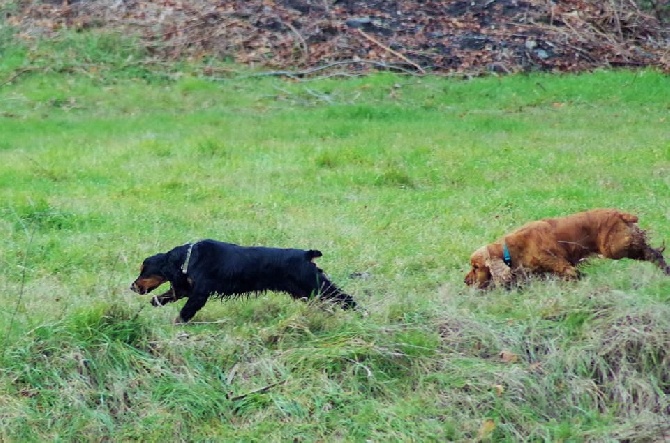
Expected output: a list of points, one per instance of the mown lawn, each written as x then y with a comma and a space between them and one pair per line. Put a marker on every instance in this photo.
397, 180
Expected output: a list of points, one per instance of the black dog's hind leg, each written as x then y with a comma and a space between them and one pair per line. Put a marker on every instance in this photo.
329, 291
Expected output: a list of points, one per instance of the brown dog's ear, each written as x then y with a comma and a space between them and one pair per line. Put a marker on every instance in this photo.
501, 274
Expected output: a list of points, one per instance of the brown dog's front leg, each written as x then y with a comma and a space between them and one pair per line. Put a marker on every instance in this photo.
561, 267
570, 273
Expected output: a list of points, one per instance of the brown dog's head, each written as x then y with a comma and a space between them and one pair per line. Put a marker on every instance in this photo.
151, 275
487, 269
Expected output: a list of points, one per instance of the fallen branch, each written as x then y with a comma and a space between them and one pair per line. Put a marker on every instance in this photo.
296, 75
217, 322
262, 390
18, 73
301, 39
396, 53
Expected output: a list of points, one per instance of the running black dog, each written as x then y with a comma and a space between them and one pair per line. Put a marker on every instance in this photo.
209, 267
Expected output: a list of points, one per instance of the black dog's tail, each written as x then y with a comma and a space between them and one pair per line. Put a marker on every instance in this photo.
327, 289
313, 254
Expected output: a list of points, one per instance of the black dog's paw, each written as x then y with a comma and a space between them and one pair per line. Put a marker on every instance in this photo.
362, 312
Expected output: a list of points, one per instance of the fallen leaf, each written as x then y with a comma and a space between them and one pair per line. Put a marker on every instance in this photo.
486, 429
509, 357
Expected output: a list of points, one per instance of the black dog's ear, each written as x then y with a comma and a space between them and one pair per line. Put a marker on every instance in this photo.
313, 253
173, 262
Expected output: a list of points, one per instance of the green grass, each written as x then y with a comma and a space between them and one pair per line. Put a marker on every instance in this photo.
400, 178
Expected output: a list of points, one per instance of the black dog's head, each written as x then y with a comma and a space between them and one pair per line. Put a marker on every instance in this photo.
152, 274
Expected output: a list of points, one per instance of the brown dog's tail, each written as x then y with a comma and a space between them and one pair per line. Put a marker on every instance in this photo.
656, 256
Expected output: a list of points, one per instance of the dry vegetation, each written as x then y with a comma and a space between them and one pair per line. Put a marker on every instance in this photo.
303, 37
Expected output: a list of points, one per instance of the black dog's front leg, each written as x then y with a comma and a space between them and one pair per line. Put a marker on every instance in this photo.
196, 301
164, 298
171, 295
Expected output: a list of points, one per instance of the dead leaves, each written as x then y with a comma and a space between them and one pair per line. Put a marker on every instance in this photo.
458, 36
486, 429
508, 357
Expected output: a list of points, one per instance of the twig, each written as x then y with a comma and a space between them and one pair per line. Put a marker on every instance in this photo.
261, 390
303, 43
322, 97
333, 75
296, 75
231, 374
357, 363
19, 299
138, 312
44, 171
617, 20
17, 74
197, 22
396, 53
217, 322
585, 54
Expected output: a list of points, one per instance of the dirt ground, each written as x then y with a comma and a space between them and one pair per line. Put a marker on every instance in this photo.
302, 37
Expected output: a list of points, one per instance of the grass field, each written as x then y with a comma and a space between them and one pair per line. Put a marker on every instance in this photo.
396, 179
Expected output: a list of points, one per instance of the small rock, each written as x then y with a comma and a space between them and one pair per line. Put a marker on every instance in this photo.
357, 22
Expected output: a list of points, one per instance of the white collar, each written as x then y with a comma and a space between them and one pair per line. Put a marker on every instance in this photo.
184, 267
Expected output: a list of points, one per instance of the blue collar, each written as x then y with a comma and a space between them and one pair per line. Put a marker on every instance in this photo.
507, 257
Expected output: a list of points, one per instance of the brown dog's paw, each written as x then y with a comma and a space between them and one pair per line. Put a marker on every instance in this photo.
179, 320
571, 273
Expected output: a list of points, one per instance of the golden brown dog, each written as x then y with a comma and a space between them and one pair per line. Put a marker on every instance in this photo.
557, 245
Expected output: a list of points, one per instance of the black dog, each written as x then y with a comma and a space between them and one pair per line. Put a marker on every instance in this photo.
210, 267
